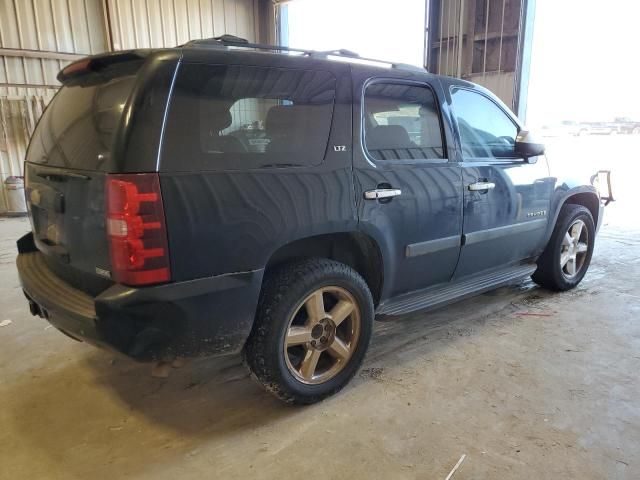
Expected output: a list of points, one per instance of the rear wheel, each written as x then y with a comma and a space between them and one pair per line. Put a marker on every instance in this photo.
567, 256
311, 331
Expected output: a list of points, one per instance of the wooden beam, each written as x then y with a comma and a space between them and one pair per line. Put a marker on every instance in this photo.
469, 32
445, 41
27, 85
493, 35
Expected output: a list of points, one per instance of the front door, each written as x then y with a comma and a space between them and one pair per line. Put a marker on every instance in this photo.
409, 195
506, 199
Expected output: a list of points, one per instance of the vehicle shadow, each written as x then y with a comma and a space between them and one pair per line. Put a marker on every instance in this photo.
218, 394
205, 394
97, 415
115, 409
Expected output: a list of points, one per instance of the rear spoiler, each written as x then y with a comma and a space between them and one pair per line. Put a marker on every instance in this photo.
99, 63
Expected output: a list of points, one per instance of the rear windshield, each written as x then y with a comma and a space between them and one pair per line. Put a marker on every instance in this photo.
233, 116
77, 129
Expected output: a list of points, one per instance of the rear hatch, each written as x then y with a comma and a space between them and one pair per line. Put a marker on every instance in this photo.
106, 119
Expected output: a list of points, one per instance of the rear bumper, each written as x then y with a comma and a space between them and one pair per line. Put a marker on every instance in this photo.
209, 316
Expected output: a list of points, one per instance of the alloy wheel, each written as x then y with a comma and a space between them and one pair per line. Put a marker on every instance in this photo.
322, 335
573, 252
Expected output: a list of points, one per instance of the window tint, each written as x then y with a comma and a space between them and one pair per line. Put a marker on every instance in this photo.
485, 130
81, 121
233, 116
401, 122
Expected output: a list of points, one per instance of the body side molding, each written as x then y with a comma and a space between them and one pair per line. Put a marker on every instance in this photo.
431, 246
493, 233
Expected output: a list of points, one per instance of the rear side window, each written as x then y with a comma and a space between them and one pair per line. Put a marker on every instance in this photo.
234, 116
401, 122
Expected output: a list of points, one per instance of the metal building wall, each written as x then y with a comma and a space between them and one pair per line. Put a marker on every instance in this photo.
480, 41
166, 23
39, 37
51, 26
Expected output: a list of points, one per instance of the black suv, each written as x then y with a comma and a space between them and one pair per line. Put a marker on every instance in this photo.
222, 197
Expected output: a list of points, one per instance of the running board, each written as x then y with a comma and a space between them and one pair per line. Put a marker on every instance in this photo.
441, 295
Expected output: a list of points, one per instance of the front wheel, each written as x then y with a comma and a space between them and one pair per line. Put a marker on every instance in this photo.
567, 256
311, 331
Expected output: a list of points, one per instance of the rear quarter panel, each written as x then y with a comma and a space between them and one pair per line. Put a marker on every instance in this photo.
233, 220
221, 222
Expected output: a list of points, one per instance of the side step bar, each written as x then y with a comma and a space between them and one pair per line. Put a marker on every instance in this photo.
441, 295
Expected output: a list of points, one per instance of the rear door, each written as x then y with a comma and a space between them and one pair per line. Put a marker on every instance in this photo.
400, 156
81, 137
506, 198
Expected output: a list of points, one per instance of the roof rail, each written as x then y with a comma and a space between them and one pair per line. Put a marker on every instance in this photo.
225, 41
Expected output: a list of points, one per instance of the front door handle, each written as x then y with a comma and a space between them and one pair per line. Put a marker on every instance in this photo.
481, 186
379, 193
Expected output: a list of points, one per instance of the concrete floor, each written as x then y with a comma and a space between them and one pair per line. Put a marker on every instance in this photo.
526, 383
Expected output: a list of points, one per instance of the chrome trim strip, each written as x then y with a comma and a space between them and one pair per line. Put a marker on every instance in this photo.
166, 113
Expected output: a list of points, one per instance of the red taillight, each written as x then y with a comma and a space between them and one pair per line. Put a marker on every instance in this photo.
136, 229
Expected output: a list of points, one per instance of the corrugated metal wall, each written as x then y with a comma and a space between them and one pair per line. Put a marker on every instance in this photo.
166, 23
39, 37
480, 41
66, 26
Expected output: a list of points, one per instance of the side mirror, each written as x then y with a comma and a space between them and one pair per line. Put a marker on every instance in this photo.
527, 146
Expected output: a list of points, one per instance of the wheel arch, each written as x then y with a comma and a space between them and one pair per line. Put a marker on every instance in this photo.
356, 249
585, 196
589, 200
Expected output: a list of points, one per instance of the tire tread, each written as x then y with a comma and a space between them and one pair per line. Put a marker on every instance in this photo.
548, 274
273, 298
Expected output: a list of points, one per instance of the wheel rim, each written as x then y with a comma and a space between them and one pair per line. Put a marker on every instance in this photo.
575, 245
322, 335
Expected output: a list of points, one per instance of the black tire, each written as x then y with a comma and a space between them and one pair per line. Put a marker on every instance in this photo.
550, 274
282, 295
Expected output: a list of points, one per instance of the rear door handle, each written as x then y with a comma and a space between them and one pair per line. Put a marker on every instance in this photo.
481, 186
378, 193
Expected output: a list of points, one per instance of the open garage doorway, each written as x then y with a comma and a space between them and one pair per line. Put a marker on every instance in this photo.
581, 96
371, 28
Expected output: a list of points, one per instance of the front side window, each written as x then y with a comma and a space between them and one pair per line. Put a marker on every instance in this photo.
401, 122
485, 130
234, 116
